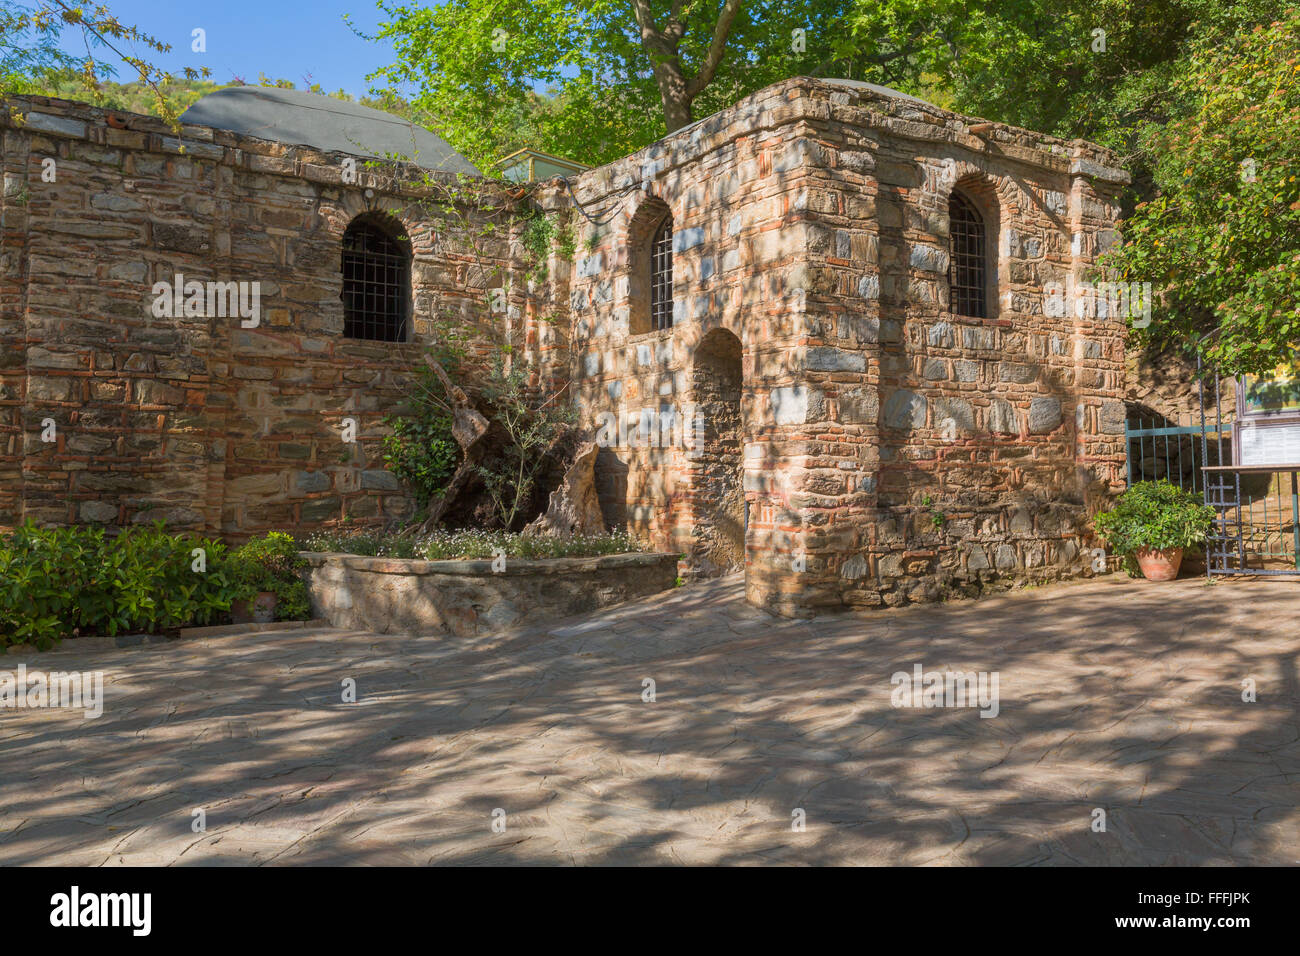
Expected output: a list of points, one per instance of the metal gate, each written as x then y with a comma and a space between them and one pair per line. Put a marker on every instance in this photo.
1160, 448
1257, 510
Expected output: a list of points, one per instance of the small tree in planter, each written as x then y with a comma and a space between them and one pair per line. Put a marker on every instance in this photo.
268, 578
1154, 522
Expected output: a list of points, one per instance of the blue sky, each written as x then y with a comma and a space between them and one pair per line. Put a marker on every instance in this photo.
293, 40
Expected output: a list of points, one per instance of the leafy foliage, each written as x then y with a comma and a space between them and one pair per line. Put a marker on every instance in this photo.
1097, 69
528, 419
540, 233
1156, 515
33, 58
272, 563
1222, 240
135, 97
474, 347
55, 582
60, 582
937, 517
420, 450
585, 78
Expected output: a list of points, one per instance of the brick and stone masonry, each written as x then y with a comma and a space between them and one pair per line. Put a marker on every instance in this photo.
888, 449
196, 420
820, 414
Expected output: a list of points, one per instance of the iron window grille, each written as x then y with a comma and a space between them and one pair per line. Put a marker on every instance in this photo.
967, 266
376, 285
661, 277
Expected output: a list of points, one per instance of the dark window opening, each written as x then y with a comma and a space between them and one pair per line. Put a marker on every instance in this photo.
376, 284
967, 267
661, 277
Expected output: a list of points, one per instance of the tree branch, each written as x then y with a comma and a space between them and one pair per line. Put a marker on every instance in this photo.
645, 22
710, 65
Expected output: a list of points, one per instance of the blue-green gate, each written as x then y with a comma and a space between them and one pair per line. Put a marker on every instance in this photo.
1257, 521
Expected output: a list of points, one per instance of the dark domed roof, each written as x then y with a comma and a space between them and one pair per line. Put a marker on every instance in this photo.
299, 118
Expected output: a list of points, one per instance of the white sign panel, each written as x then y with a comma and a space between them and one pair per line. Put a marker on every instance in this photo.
1269, 444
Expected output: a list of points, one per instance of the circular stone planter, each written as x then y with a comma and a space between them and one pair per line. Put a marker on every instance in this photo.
464, 598
1159, 565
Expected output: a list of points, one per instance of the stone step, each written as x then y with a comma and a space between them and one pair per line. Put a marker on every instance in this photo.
232, 630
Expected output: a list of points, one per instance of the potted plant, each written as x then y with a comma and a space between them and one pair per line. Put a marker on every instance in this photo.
1154, 523
268, 581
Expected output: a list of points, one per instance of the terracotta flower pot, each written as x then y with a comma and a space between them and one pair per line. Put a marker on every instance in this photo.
1160, 565
260, 610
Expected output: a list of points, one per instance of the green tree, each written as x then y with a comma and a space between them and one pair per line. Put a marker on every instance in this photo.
1096, 69
596, 79
32, 59
1184, 91
1221, 241
134, 97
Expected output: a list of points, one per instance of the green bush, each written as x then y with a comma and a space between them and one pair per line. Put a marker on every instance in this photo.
1157, 515
58, 581
421, 452
272, 563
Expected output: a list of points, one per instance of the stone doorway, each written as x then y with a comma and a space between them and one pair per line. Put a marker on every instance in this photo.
717, 468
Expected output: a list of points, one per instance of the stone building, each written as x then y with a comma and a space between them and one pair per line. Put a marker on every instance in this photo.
811, 329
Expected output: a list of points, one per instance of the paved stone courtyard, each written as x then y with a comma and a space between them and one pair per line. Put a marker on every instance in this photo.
1114, 694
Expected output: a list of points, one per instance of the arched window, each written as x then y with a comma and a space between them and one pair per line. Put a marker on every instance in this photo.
650, 267
661, 276
376, 282
967, 265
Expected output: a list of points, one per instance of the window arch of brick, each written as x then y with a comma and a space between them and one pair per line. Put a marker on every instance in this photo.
376, 280
970, 250
650, 285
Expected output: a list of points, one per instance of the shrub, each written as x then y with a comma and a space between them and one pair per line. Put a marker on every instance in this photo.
420, 450
272, 563
55, 582
1157, 515
157, 582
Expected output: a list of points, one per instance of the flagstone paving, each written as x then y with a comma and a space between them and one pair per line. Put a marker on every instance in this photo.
1114, 695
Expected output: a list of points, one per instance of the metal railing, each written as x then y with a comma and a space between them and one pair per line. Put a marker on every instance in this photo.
1257, 524
1160, 448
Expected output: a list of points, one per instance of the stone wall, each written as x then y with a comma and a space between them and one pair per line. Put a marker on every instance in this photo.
735, 184
1166, 382
196, 420
816, 410
464, 598
987, 438
892, 450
